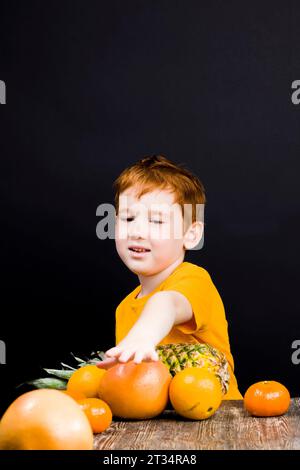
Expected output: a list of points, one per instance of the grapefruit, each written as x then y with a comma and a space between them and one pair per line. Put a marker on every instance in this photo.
136, 391
45, 420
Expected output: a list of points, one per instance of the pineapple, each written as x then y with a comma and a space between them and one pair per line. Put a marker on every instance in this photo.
175, 356
182, 355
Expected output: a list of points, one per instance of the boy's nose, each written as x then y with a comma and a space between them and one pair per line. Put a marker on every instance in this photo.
138, 229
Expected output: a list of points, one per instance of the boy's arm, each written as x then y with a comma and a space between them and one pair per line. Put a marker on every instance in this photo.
162, 311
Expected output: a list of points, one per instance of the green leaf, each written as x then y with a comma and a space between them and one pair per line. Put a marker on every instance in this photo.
62, 374
49, 382
67, 366
77, 358
99, 354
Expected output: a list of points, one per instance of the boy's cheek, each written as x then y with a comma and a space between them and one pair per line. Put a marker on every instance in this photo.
121, 232
164, 232
122, 252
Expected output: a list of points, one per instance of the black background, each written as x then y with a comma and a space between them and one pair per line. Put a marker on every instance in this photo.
94, 86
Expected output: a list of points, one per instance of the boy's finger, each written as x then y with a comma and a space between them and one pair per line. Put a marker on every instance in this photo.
107, 363
112, 352
125, 356
138, 357
154, 356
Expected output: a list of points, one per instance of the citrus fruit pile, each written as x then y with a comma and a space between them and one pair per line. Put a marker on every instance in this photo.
53, 419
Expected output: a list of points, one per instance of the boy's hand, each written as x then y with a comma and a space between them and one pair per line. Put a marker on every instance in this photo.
127, 350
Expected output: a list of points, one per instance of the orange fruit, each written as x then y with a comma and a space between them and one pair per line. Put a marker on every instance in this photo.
136, 391
195, 393
98, 413
267, 398
45, 420
86, 380
73, 394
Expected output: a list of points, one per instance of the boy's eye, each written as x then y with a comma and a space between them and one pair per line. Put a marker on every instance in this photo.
130, 219
127, 219
156, 221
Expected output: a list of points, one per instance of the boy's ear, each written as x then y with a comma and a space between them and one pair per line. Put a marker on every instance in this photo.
193, 235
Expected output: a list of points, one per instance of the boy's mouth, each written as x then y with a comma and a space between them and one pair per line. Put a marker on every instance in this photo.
138, 249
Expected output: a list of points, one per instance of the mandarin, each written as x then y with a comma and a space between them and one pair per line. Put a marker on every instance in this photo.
267, 398
98, 413
86, 380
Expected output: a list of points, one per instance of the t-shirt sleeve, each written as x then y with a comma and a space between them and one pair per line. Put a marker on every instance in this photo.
197, 290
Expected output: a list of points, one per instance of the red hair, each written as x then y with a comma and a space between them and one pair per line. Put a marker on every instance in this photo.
157, 172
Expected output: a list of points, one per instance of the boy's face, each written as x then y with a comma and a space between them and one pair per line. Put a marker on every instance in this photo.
153, 224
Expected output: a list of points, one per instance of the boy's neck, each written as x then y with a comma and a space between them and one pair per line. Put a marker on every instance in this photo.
149, 283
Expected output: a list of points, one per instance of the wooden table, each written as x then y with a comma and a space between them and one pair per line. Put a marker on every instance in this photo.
231, 427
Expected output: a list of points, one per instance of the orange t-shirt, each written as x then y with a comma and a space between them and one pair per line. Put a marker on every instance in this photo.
208, 325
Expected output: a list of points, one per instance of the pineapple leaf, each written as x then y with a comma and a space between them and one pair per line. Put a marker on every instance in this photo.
62, 374
49, 382
67, 366
99, 354
77, 358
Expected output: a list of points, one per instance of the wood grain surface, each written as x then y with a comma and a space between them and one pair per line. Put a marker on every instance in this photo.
231, 427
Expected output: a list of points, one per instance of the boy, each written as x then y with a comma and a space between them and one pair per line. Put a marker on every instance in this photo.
176, 301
